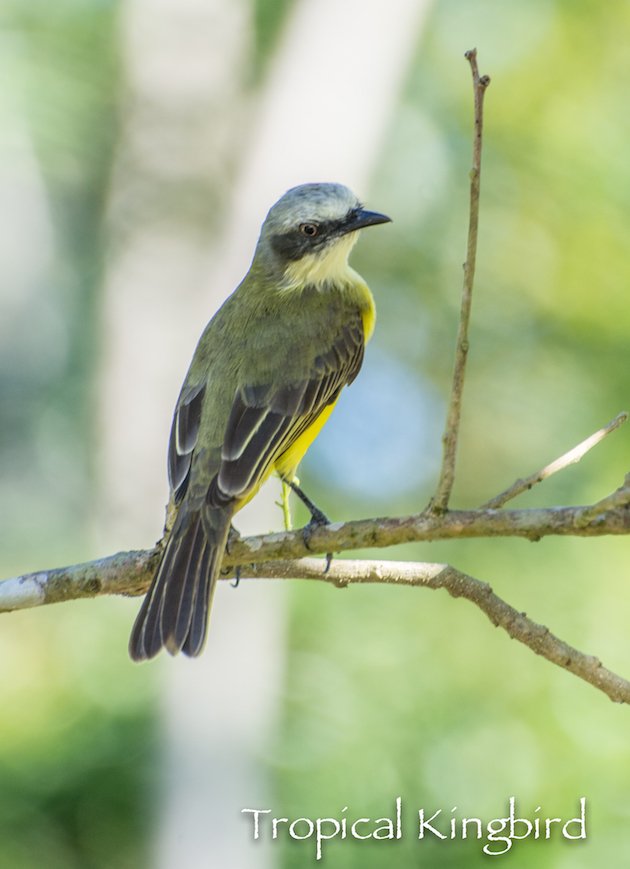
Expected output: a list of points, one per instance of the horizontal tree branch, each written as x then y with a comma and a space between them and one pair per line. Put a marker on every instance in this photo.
130, 573
279, 555
532, 524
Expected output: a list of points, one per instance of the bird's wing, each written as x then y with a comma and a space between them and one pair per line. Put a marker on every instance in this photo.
266, 419
183, 439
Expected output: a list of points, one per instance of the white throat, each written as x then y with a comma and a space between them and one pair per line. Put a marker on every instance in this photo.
330, 266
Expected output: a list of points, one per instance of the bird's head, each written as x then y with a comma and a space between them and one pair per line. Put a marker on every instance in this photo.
310, 231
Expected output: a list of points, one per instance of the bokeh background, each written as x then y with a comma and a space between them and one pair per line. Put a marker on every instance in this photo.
142, 142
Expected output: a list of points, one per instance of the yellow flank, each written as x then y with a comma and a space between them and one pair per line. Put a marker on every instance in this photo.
286, 464
368, 313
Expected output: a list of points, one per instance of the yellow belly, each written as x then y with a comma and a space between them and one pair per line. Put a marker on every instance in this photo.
287, 463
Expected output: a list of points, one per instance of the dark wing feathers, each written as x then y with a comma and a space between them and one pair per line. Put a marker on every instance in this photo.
236, 477
183, 438
177, 597
243, 423
265, 420
196, 636
174, 613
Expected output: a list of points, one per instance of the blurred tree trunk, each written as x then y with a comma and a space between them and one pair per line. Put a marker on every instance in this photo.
185, 63
185, 69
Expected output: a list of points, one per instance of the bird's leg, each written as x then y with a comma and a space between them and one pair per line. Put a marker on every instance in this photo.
318, 518
234, 536
286, 507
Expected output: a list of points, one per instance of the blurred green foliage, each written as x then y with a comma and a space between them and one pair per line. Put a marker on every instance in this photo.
388, 692
269, 17
60, 63
75, 740
400, 692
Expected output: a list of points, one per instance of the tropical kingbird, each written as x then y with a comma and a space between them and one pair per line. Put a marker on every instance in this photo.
264, 379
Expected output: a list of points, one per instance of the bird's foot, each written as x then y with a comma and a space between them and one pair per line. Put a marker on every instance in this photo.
318, 518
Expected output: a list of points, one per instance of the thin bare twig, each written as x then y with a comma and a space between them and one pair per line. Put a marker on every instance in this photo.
571, 457
442, 495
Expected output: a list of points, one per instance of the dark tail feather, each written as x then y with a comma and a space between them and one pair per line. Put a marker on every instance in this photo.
174, 613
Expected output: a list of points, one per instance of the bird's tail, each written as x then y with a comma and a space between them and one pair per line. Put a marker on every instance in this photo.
174, 613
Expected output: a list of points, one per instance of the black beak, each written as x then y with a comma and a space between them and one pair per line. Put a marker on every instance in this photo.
362, 218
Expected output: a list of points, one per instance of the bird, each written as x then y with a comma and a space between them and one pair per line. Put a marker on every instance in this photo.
263, 380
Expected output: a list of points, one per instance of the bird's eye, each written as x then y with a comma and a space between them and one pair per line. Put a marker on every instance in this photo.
309, 229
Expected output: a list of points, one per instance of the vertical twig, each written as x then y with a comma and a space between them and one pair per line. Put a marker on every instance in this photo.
442, 495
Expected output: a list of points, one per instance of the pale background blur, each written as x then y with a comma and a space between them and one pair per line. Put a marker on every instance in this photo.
141, 145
